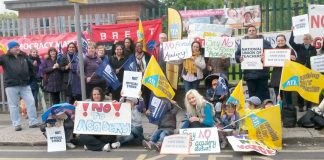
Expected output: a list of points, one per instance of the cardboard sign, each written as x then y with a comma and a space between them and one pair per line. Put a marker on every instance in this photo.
317, 63
301, 25
132, 83
176, 144
177, 50
251, 52
203, 140
241, 143
276, 57
219, 47
102, 118
55, 139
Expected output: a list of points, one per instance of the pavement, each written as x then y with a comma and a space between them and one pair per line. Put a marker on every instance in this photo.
34, 137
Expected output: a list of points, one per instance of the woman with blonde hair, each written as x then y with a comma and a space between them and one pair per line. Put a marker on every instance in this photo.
200, 112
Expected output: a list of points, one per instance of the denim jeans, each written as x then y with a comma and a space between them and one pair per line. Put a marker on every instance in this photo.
13, 95
190, 85
136, 133
159, 134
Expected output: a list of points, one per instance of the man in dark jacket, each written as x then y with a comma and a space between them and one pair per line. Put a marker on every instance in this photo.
304, 52
18, 70
256, 80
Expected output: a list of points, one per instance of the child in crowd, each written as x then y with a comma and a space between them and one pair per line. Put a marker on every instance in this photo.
137, 107
267, 103
228, 124
166, 126
216, 94
254, 104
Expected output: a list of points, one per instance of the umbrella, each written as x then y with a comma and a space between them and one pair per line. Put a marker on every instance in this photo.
57, 109
222, 87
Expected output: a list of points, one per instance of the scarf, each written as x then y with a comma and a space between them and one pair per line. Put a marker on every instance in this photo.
189, 64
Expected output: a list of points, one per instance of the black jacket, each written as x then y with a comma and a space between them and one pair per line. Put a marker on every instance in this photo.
17, 71
254, 74
303, 54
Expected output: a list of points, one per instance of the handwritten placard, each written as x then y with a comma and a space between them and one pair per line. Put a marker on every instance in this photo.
176, 144
241, 143
301, 25
177, 50
132, 83
276, 57
251, 52
55, 139
219, 47
203, 140
317, 63
102, 118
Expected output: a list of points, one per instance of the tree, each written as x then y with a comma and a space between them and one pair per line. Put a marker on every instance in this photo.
8, 15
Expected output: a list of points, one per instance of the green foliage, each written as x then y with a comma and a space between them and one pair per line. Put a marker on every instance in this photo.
8, 15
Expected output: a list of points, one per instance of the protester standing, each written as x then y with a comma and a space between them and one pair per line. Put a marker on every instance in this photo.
129, 47
53, 76
304, 52
219, 65
256, 80
18, 70
158, 52
36, 61
193, 67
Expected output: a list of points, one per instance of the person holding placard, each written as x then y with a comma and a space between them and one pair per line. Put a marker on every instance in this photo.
158, 52
97, 142
276, 72
304, 52
193, 67
200, 112
256, 80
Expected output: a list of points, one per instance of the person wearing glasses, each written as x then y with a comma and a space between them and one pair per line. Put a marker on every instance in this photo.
256, 80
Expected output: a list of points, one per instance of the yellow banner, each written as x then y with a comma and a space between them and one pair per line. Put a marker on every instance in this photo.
174, 25
265, 126
155, 80
79, 1
296, 77
172, 72
140, 35
237, 98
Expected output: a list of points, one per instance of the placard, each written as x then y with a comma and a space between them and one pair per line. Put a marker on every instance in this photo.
251, 52
317, 63
203, 140
55, 139
276, 57
301, 25
219, 47
132, 83
102, 118
241, 143
177, 50
176, 144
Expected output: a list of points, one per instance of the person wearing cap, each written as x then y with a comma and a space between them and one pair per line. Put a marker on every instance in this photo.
18, 70
254, 102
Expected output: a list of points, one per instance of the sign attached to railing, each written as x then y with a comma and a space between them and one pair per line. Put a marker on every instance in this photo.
79, 1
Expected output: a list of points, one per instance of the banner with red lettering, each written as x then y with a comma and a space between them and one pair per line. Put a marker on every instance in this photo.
316, 15
41, 42
110, 33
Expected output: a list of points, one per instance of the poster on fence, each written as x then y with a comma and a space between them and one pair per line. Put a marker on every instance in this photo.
300, 24
55, 139
276, 57
241, 143
317, 63
251, 52
177, 50
220, 47
102, 118
176, 144
132, 83
204, 30
242, 17
203, 140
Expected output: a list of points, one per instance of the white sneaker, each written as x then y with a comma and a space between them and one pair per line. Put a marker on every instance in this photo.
85, 147
106, 148
70, 145
115, 145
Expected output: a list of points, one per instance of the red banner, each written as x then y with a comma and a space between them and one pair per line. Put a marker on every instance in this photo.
41, 42
110, 33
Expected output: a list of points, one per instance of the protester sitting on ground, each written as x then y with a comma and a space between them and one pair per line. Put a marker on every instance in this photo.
193, 67
97, 142
137, 107
166, 126
267, 103
229, 124
200, 112
254, 105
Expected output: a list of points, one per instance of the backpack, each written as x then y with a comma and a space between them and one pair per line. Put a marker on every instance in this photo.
306, 120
